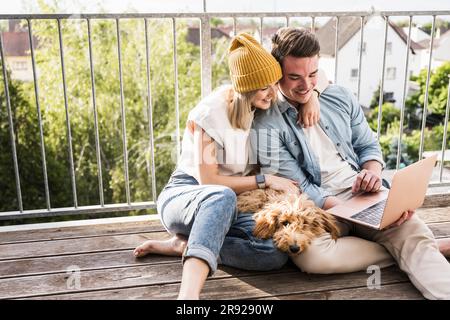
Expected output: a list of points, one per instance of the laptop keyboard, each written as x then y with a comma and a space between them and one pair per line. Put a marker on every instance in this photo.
371, 215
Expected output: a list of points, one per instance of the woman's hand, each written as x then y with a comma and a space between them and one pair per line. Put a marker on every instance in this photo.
309, 112
282, 184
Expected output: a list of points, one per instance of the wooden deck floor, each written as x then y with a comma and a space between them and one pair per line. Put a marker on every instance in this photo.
34, 265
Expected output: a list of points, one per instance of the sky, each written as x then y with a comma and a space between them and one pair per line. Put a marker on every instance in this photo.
119, 6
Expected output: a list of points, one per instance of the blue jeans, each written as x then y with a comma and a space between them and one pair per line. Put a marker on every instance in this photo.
207, 214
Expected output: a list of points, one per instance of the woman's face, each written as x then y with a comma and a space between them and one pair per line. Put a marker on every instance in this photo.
264, 97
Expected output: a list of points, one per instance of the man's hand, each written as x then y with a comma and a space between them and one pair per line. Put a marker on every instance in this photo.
367, 181
405, 217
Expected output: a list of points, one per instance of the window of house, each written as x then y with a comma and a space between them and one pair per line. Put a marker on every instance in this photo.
389, 48
354, 73
390, 73
388, 97
20, 65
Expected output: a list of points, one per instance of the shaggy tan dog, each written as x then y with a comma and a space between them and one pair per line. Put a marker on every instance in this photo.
292, 221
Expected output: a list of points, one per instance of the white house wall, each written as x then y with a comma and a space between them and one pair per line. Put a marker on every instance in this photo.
348, 59
442, 53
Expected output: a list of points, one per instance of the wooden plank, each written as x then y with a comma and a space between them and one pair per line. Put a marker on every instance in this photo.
87, 261
437, 200
245, 287
158, 274
430, 215
80, 231
90, 280
108, 243
440, 229
76, 246
71, 253
51, 262
397, 291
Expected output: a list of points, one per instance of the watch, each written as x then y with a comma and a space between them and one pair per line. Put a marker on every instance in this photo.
261, 181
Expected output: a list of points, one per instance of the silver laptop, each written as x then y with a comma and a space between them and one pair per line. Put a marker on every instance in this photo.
380, 209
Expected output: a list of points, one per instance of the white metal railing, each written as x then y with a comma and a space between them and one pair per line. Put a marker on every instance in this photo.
206, 81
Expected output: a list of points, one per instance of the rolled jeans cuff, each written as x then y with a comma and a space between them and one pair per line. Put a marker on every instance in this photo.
201, 252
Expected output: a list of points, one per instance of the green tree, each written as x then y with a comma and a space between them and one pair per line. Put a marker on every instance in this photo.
389, 114
437, 93
375, 98
80, 106
441, 24
26, 133
391, 159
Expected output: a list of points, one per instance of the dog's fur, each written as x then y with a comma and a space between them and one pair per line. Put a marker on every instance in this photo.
292, 221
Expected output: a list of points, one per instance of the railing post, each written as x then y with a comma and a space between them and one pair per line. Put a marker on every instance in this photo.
313, 24
123, 114
205, 45
175, 75
39, 114
405, 90
261, 30
94, 107
150, 112
336, 51
381, 97
361, 47
68, 126
444, 136
11, 126
425, 104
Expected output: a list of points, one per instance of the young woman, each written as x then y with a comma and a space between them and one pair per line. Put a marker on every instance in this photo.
198, 205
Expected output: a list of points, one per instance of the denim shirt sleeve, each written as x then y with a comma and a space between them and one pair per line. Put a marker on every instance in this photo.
364, 140
274, 157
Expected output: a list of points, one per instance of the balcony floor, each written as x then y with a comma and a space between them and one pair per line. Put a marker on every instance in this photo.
34, 264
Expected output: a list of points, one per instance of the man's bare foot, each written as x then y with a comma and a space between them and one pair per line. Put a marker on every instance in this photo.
444, 246
171, 247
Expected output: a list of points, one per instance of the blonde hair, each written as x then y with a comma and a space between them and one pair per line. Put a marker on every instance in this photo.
240, 108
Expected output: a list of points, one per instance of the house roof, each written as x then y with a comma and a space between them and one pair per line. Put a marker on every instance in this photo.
404, 37
17, 43
426, 42
193, 35
348, 27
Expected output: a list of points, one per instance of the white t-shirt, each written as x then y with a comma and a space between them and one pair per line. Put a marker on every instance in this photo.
337, 175
232, 144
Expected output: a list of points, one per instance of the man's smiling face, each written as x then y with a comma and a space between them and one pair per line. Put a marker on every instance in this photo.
299, 78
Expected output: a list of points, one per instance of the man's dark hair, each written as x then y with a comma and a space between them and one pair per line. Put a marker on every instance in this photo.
296, 42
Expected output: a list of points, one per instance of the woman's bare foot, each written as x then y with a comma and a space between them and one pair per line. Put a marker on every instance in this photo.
171, 247
444, 246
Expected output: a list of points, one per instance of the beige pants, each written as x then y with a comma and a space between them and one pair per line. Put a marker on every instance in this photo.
411, 245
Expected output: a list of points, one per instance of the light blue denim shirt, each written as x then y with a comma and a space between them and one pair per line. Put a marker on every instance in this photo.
282, 148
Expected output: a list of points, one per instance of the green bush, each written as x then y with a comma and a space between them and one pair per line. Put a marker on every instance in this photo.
390, 114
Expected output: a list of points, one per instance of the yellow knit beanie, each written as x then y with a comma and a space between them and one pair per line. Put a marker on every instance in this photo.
251, 66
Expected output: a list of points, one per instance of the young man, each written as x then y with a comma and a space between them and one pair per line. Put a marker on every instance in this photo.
332, 160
